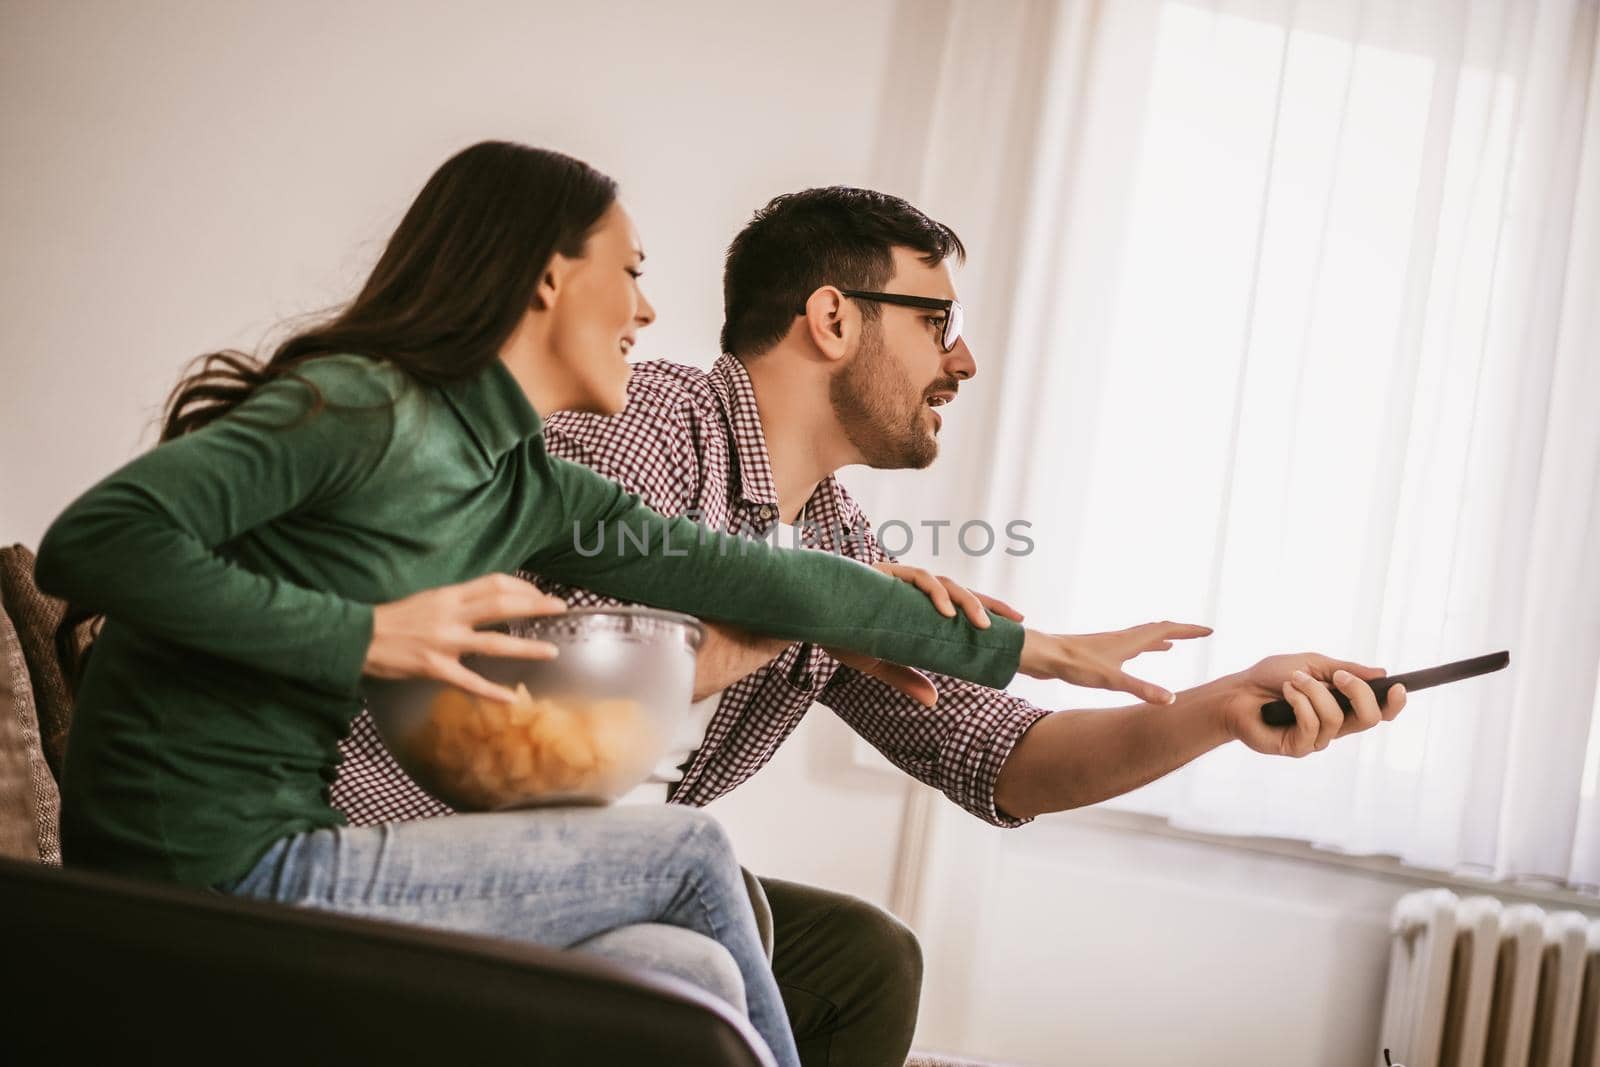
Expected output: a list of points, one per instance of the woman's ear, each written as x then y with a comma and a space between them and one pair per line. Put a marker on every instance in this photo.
827, 322
551, 282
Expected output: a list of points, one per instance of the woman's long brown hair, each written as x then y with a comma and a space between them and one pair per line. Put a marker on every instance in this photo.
453, 282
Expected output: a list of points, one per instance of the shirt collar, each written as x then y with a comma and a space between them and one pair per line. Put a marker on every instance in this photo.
495, 409
752, 462
751, 465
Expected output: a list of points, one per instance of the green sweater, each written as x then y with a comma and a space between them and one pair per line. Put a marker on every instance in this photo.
237, 567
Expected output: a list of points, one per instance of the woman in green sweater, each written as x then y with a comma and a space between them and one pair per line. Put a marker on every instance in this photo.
350, 508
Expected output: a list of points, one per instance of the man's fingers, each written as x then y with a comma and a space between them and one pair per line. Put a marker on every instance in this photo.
488, 643
999, 607
1394, 703
910, 681
913, 683
1330, 716
1324, 666
1363, 702
1300, 738
449, 670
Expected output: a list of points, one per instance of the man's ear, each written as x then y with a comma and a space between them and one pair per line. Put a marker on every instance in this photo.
828, 322
551, 282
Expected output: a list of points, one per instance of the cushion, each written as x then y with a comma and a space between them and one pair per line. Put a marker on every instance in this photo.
30, 804
36, 617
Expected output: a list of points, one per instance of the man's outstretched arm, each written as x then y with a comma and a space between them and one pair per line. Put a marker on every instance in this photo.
1069, 759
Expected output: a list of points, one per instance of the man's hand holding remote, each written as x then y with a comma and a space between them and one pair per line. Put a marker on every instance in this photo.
1306, 681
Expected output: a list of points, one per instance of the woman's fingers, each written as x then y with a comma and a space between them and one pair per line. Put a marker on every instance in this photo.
516, 605
449, 670
1159, 636
1148, 692
999, 607
951, 597
923, 580
498, 597
489, 643
968, 602
488, 586
425, 634
1155, 632
936, 593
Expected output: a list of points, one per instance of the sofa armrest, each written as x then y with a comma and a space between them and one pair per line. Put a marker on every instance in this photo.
137, 972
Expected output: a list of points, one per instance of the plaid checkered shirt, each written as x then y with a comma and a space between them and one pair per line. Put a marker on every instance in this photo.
690, 443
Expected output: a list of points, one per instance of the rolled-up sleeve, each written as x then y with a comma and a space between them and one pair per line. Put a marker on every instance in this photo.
957, 746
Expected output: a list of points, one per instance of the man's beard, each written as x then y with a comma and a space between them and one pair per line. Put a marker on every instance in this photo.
881, 409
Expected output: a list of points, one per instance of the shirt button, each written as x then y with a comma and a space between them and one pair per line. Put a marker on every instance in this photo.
765, 513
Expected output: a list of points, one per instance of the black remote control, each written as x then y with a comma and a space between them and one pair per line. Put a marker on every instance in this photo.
1279, 713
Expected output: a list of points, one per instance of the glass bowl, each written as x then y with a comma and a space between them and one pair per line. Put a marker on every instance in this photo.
587, 727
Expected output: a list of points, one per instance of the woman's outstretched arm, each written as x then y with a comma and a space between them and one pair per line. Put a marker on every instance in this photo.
602, 538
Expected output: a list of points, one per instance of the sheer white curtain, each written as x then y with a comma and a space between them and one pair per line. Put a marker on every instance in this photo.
1287, 320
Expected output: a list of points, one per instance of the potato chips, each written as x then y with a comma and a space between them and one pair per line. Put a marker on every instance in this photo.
484, 755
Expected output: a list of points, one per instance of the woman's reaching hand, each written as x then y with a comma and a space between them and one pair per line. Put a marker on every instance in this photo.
1095, 660
425, 634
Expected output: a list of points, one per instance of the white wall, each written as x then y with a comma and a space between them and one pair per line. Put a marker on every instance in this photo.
181, 176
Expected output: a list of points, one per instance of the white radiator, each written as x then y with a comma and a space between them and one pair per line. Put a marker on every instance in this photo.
1478, 983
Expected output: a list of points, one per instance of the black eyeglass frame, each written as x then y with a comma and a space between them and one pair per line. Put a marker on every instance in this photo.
954, 314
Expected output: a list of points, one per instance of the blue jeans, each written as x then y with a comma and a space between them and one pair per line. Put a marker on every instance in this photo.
673, 950
560, 877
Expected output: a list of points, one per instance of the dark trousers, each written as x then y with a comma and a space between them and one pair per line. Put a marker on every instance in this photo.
850, 973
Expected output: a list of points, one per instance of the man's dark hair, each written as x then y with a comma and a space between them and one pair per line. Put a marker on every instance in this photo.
801, 241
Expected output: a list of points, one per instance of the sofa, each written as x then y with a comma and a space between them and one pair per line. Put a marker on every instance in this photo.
99, 968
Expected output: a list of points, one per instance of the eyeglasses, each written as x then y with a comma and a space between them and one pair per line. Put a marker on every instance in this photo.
954, 317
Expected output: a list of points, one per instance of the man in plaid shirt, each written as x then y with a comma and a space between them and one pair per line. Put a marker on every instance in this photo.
827, 363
